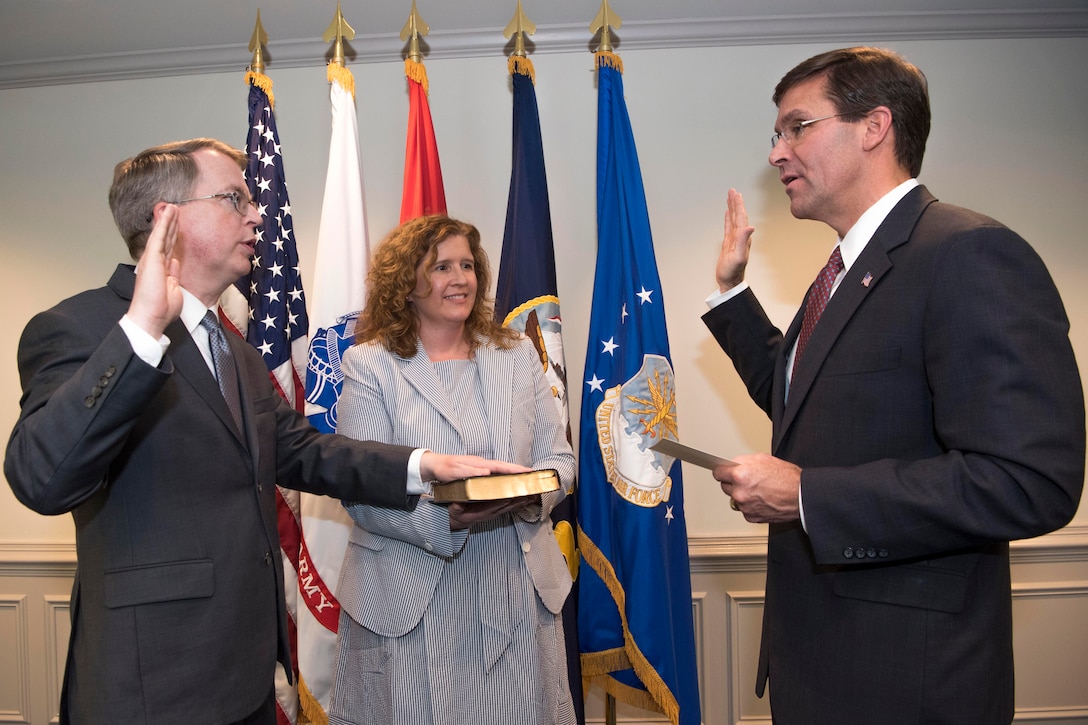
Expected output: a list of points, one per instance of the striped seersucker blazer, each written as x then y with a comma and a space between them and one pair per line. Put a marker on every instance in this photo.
394, 558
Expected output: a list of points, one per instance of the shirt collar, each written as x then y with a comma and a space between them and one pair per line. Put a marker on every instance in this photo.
192, 310
855, 241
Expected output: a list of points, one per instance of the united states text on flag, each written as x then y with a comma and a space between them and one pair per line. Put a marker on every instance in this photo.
634, 608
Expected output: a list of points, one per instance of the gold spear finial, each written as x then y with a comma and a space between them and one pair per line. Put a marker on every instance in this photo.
605, 18
518, 27
256, 45
338, 31
413, 29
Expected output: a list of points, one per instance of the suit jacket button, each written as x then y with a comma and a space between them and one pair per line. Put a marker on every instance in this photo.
96, 391
103, 381
848, 553
883, 554
267, 559
871, 553
428, 546
526, 547
88, 402
260, 487
110, 371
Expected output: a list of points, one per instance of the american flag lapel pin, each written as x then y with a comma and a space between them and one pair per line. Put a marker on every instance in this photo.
867, 279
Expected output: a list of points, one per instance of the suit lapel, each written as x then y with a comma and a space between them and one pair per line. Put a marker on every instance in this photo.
246, 393
419, 372
190, 364
860, 281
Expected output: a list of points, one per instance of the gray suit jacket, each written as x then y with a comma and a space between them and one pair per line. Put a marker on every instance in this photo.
395, 559
937, 414
178, 611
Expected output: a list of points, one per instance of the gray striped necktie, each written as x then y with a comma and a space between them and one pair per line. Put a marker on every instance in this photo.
225, 370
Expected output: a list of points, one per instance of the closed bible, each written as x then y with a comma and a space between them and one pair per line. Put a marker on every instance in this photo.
497, 486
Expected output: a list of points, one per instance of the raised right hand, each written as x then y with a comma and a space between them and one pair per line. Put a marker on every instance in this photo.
157, 299
736, 241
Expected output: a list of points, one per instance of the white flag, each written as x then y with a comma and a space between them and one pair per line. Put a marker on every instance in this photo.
338, 292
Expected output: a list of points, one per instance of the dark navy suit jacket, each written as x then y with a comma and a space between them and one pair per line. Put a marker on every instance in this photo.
178, 611
937, 414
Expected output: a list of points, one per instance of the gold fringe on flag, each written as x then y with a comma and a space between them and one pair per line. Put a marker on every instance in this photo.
608, 58
521, 65
416, 72
309, 709
340, 74
597, 665
263, 82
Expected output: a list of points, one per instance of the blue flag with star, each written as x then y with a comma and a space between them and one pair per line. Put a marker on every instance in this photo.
634, 606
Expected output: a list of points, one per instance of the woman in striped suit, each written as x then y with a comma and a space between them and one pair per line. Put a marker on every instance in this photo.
450, 614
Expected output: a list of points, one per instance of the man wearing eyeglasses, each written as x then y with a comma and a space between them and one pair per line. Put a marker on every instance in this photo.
166, 441
926, 410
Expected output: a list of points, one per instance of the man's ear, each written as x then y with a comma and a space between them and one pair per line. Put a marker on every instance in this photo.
878, 127
156, 211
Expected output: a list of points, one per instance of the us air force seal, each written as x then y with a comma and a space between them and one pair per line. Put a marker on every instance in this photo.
631, 418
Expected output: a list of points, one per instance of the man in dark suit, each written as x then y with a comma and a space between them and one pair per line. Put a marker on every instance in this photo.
178, 612
933, 414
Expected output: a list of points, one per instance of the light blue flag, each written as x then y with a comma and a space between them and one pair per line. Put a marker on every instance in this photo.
634, 608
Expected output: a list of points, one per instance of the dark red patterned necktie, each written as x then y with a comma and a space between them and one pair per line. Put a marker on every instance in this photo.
817, 301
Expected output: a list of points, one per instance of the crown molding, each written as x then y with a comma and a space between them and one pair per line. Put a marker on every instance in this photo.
564, 38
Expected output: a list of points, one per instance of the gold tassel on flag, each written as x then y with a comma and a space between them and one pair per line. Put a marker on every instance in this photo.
604, 22
519, 60
255, 73
413, 62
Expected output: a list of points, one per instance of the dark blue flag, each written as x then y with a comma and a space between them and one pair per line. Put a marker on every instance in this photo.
527, 299
634, 610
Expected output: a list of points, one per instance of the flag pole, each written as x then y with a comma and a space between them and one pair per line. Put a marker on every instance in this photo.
605, 17
337, 32
411, 32
519, 25
278, 300
603, 23
423, 192
255, 73
256, 45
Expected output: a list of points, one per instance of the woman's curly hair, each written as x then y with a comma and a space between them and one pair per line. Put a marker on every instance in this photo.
389, 318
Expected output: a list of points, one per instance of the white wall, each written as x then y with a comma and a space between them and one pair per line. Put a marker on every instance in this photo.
1009, 139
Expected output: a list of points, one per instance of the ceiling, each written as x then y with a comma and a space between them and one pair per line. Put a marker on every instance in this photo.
45, 42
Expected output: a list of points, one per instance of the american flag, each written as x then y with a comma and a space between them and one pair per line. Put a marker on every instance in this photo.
268, 307
276, 304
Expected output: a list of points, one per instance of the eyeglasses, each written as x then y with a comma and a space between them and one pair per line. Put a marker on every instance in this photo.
241, 204
795, 131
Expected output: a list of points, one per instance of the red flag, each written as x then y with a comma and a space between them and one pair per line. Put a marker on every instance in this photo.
423, 193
